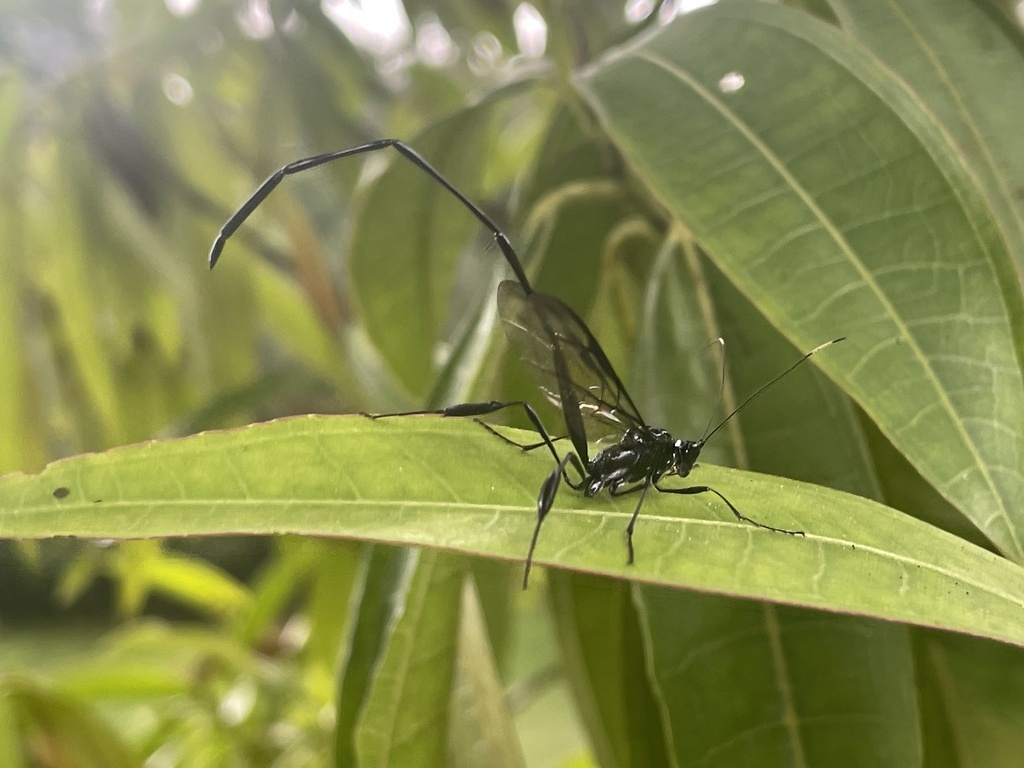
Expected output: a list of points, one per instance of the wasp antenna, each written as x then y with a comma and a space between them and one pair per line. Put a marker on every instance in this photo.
743, 405
721, 385
215, 251
822, 346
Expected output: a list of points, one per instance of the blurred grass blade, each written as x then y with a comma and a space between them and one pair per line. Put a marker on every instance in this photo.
384, 581
448, 484
64, 276
857, 219
11, 753
70, 730
195, 583
20, 446
482, 734
338, 564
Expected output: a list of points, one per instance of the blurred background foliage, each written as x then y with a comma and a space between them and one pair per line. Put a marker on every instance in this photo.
129, 133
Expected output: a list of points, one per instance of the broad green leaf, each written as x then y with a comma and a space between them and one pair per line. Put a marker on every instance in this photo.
566, 153
783, 431
938, 724
568, 230
978, 690
856, 219
405, 719
804, 702
449, 484
904, 489
970, 74
603, 650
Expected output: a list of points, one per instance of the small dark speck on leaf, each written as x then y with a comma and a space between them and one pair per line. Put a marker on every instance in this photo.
61, 492
96, 501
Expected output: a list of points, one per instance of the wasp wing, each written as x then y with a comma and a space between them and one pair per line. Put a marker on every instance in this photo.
567, 363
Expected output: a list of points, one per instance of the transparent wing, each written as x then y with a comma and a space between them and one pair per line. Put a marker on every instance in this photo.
568, 365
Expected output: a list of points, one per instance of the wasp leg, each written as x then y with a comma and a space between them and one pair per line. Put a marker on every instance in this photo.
739, 515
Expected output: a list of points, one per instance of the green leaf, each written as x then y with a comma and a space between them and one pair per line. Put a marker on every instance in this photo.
904, 489
405, 720
949, 52
783, 721
291, 316
978, 701
604, 653
379, 599
857, 219
192, 582
447, 483
333, 577
702, 649
785, 432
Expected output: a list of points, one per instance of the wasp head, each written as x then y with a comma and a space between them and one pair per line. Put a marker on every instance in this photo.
684, 455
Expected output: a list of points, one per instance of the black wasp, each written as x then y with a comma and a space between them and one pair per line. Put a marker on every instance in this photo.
570, 369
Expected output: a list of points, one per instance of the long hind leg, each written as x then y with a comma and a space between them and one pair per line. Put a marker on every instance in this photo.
492, 406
